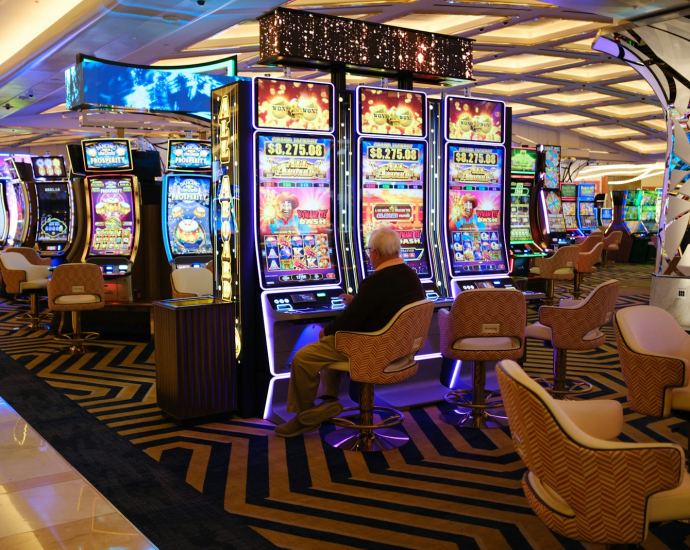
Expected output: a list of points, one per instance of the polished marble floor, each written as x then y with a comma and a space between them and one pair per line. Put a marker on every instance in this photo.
46, 504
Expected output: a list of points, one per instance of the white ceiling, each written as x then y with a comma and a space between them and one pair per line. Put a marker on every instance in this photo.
534, 55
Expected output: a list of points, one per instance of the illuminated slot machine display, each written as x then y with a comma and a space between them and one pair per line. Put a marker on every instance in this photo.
659, 206
112, 206
551, 205
186, 204
569, 205
648, 211
4, 183
605, 218
475, 214
294, 199
523, 169
630, 212
55, 200
20, 197
586, 214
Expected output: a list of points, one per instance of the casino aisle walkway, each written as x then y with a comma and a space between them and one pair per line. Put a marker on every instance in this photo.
46, 504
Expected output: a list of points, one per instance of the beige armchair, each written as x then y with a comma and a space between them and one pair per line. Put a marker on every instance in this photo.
386, 356
585, 266
30, 254
583, 485
191, 281
560, 266
22, 277
611, 242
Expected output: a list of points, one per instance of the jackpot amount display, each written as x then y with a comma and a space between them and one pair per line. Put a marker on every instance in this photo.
112, 204
188, 205
295, 216
392, 179
474, 209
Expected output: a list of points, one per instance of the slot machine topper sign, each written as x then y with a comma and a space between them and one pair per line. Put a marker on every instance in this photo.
474, 120
293, 105
391, 112
107, 155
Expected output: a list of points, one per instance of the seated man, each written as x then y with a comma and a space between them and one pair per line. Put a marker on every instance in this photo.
381, 295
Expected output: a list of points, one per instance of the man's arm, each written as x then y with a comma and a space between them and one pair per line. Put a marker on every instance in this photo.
360, 308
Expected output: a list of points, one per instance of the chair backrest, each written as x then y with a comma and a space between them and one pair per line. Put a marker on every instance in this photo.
578, 327
13, 267
387, 355
30, 254
486, 312
13, 260
191, 281
76, 279
584, 488
615, 237
586, 260
654, 357
590, 242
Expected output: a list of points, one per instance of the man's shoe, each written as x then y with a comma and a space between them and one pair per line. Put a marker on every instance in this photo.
294, 428
321, 413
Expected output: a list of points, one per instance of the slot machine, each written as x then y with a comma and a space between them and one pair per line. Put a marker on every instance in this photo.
4, 182
186, 204
113, 217
391, 148
586, 215
55, 201
569, 204
659, 206
523, 229
648, 208
630, 212
20, 196
550, 207
293, 201
476, 198
605, 218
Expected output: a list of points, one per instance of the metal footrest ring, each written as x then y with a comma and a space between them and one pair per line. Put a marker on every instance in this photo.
474, 415
573, 387
364, 438
341, 420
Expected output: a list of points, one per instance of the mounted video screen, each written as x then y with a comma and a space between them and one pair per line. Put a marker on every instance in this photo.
188, 212
554, 212
188, 155
587, 191
391, 112
606, 215
474, 209
111, 155
587, 217
392, 186
54, 212
50, 168
568, 190
474, 119
552, 166
570, 214
520, 230
293, 105
523, 161
295, 210
112, 215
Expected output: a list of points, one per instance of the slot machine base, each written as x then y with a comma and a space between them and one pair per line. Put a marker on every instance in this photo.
119, 289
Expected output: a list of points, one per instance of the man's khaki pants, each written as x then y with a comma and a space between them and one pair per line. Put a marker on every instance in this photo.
307, 366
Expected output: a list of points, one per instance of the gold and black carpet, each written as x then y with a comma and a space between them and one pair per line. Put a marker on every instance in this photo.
234, 484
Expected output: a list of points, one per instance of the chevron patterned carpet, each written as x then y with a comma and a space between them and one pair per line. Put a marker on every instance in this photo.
447, 488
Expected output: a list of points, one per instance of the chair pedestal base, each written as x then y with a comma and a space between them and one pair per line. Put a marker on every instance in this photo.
33, 317
550, 286
77, 339
365, 436
577, 282
562, 386
476, 412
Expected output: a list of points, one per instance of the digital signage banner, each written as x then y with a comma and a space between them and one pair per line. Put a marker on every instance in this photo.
295, 216
293, 105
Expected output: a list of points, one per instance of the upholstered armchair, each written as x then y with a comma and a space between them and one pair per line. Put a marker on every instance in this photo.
191, 281
611, 242
585, 266
560, 266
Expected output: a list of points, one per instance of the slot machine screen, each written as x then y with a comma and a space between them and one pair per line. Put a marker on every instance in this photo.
112, 216
295, 216
50, 168
188, 155
54, 210
293, 105
391, 112
188, 207
523, 161
586, 209
113, 155
474, 209
587, 191
474, 119
392, 193
554, 211
570, 214
520, 230
568, 191
552, 166
606, 215
16, 207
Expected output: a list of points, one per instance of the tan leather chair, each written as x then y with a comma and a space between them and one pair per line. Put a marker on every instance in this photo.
191, 281
559, 267
22, 277
612, 241
581, 483
30, 254
483, 325
587, 244
76, 288
577, 326
586, 265
386, 356
655, 361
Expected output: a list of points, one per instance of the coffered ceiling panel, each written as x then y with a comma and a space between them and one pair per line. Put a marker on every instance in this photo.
523, 63
608, 131
537, 31
559, 119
